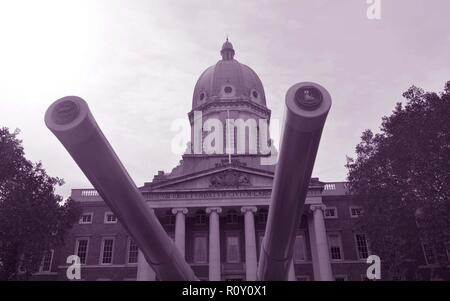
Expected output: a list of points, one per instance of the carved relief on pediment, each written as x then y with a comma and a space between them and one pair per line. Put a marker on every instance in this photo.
230, 178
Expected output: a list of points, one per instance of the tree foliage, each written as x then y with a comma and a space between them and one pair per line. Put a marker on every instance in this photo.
402, 177
33, 219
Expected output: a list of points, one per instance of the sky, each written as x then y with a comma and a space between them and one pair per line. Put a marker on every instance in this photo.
136, 64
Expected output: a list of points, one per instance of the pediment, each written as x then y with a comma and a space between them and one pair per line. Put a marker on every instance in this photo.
223, 178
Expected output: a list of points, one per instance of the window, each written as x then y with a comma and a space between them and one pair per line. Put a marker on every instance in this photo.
81, 249
200, 218
335, 245
355, 212
233, 251
361, 246
299, 248
110, 218
133, 252
86, 218
46, 264
262, 216
331, 212
107, 251
340, 278
228, 89
428, 252
232, 217
200, 249
169, 219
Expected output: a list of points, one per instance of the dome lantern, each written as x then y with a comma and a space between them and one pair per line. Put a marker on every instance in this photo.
227, 51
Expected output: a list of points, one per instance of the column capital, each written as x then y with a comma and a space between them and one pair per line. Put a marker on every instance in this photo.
179, 210
252, 209
317, 207
213, 209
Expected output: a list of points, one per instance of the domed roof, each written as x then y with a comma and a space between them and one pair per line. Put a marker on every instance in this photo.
228, 79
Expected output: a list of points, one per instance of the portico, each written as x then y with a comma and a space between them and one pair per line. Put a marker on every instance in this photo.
231, 234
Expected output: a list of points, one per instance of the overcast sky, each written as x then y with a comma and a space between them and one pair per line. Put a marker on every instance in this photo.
136, 64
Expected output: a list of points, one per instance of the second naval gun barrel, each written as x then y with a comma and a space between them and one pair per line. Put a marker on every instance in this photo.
307, 107
70, 119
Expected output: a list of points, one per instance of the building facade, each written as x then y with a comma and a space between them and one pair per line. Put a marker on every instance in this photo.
220, 232
214, 204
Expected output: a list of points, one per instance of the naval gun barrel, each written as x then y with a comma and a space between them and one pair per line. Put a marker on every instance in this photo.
307, 107
71, 121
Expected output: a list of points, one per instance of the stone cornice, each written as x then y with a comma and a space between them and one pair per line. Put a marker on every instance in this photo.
207, 194
203, 173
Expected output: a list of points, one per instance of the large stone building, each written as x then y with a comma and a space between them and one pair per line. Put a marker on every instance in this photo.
215, 205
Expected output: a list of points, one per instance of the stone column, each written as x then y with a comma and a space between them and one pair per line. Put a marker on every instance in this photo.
214, 243
313, 245
322, 255
291, 275
180, 228
251, 265
144, 270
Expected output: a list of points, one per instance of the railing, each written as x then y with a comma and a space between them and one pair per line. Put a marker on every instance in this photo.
330, 186
84, 195
336, 188
89, 192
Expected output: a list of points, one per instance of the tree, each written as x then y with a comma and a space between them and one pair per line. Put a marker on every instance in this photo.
33, 219
402, 177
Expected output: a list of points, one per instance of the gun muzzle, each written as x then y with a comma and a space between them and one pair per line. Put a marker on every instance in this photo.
70, 119
307, 107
